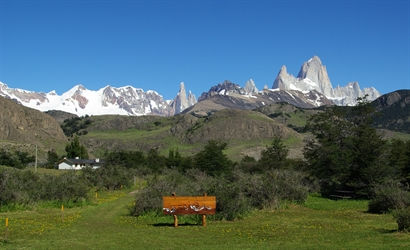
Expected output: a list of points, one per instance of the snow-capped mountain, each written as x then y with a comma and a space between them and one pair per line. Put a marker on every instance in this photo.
311, 88
231, 95
108, 100
313, 76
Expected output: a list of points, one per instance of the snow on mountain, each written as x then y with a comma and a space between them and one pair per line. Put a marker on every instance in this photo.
312, 87
78, 100
313, 76
234, 96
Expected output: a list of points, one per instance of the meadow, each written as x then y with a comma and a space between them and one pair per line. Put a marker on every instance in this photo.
106, 224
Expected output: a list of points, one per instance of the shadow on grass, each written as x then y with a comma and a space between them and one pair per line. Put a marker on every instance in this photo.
172, 224
386, 231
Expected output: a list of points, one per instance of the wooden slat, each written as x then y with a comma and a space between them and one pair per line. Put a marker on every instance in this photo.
189, 204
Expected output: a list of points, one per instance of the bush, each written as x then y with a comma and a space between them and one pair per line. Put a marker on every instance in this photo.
235, 197
24, 187
389, 196
65, 187
149, 199
108, 177
16, 159
231, 204
268, 190
402, 217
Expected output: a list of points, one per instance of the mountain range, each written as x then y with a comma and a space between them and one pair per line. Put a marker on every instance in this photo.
125, 100
247, 131
313, 76
311, 88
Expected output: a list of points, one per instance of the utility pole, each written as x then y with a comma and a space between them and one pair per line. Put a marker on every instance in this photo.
35, 165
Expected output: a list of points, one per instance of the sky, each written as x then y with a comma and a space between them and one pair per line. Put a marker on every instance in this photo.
54, 45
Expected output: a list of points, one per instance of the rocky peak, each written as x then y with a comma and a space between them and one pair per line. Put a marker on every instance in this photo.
191, 99
224, 88
317, 73
313, 77
283, 70
181, 101
283, 80
182, 93
250, 87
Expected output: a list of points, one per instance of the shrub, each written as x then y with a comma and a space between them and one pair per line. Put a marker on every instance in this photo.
149, 199
231, 203
108, 177
16, 159
65, 187
24, 187
402, 217
389, 196
127, 159
269, 189
235, 196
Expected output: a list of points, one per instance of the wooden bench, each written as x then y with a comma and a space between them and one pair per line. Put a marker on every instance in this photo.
178, 205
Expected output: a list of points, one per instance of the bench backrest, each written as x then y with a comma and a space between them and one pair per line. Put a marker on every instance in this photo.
176, 205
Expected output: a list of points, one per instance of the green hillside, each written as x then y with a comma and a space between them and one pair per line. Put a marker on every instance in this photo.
246, 132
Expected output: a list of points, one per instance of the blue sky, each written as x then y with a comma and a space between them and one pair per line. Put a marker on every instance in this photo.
47, 45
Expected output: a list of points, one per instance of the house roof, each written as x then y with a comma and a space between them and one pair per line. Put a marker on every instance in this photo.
83, 161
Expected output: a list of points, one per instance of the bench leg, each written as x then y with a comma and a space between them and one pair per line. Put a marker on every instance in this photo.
175, 221
204, 220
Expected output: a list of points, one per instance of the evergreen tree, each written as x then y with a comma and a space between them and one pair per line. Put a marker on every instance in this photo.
347, 153
174, 159
52, 158
274, 156
212, 159
399, 159
75, 149
368, 160
127, 159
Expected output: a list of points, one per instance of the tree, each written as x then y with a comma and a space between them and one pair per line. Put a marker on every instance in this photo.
174, 158
52, 158
127, 159
212, 159
399, 159
274, 156
249, 164
75, 149
347, 152
154, 160
16, 159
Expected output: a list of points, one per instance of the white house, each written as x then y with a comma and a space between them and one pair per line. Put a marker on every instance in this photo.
78, 164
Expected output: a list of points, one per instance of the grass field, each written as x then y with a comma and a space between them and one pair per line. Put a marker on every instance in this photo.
319, 223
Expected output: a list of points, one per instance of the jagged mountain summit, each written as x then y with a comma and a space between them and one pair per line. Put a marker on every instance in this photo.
108, 100
313, 76
231, 95
181, 101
